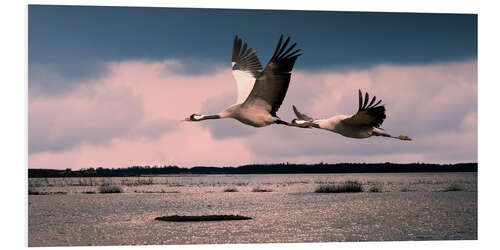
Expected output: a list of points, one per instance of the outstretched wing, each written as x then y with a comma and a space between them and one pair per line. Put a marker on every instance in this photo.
368, 114
271, 86
301, 116
246, 68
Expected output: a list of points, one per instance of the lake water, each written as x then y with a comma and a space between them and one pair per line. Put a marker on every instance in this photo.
415, 206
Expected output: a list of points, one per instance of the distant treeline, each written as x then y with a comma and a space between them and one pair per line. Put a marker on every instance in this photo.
281, 168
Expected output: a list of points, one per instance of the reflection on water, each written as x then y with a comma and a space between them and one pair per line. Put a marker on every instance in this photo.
410, 207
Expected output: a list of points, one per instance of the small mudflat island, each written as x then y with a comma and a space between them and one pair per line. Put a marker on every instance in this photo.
179, 218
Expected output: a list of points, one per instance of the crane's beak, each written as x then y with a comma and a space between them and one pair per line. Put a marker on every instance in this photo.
186, 119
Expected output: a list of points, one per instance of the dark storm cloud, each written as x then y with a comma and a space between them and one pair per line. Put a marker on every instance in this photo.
192, 66
328, 38
63, 77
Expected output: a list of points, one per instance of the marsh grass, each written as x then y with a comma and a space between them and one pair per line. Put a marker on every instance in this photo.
87, 182
452, 188
109, 189
137, 182
407, 189
95, 181
241, 184
230, 190
173, 192
33, 191
324, 182
346, 187
45, 193
262, 190
376, 187
150, 192
179, 218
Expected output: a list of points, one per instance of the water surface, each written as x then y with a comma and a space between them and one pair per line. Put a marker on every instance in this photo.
409, 207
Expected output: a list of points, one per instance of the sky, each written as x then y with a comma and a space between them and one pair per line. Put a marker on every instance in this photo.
107, 86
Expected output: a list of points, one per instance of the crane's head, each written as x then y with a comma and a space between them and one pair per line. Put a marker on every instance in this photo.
193, 118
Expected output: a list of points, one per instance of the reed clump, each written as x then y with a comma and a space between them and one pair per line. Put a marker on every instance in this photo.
345, 187
109, 189
262, 190
376, 187
452, 188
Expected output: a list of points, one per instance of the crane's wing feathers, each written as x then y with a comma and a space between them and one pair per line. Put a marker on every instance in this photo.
300, 115
368, 114
246, 68
272, 84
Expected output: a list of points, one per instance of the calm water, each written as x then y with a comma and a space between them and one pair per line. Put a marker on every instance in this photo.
409, 207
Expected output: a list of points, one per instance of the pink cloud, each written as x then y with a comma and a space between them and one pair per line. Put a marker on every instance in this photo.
88, 114
435, 104
130, 117
165, 94
187, 146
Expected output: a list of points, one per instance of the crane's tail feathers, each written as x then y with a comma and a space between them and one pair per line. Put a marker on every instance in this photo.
301, 116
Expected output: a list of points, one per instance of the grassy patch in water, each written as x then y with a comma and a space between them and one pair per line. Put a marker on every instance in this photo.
258, 189
346, 187
34, 191
407, 189
150, 192
452, 188
376, 187
230, 190
44, 193
180, 218
109, 189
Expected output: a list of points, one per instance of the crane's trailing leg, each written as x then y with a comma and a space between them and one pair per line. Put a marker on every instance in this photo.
402, 137
379, 132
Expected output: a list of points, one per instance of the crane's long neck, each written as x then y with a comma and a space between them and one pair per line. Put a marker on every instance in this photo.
207, 117
332, 123
224, 114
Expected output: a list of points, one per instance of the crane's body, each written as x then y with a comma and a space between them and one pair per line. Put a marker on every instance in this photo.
334, 124
260, 92
249, 115
365, 123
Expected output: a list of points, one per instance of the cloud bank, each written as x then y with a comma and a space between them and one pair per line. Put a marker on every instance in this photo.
130, 116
